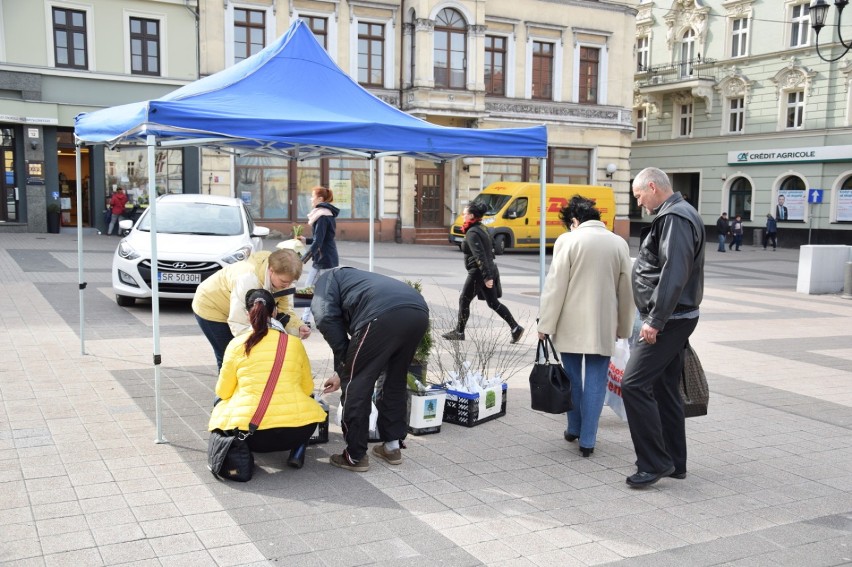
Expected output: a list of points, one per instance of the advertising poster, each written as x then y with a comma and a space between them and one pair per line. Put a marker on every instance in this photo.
342, 189
844, 205
791, 205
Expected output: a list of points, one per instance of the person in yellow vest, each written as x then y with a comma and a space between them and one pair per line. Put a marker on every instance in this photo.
292, 415
219, 302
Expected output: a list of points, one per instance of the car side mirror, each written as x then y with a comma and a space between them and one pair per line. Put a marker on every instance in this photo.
260, 231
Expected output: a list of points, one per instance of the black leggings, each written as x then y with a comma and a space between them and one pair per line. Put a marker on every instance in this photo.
468, 292
280, 438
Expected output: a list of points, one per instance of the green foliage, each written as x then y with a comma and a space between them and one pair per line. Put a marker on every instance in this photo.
424, 349
53, 208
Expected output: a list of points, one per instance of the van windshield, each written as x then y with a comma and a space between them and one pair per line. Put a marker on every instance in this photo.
493, 201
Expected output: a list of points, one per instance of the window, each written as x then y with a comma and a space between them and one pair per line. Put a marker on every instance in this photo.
736, 115
641, 123
144, 46
739, 199
685, 120
495, 62
687, 53
570, 165
371, 54
319, 27
739, 37
349, 179
795, 109
450, 50
589, 71
262, 182
69, 39
542, 70
643, 52
129, 169
249, 33
800, 23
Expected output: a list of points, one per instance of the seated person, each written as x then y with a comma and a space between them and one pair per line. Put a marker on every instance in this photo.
292, 415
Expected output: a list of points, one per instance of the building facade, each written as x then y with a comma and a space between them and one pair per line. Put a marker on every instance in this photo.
60, 58
466, 63
732, 100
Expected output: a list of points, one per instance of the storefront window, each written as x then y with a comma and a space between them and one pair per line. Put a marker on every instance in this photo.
308, 176
262, 183
570, 165
129, 169
739, 200
844, 201
349, 180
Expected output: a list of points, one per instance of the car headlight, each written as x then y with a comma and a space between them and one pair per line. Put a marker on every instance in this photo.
126, 251
238, 256
489, 220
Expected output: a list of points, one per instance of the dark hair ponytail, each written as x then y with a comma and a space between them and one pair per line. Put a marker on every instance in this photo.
260, 305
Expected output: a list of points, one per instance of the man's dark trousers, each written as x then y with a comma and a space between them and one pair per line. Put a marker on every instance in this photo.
386, 344
652, 399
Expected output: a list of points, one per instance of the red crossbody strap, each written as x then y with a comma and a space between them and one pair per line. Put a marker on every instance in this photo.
270, 383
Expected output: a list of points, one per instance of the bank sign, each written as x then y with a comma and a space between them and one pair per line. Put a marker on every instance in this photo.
790, 155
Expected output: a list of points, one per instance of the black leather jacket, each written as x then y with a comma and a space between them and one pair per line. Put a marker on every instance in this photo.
479, 252
668, 275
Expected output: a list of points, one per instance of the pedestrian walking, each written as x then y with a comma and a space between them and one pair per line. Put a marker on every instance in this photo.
723, 229
737, 232
668, 285
586, 303
771, 232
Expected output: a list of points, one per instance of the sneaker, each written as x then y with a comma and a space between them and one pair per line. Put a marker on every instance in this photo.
344, 462
393, 457
517, 333
454, 335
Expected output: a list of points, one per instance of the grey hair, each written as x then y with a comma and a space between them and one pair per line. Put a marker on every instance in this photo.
652, 175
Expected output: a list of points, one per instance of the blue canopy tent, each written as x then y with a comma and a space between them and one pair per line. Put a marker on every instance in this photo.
290, 100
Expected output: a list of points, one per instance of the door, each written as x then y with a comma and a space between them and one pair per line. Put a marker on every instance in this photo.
9, 205
429, 198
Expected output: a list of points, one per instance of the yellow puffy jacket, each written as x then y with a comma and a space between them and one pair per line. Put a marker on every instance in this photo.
243, 378
222, 296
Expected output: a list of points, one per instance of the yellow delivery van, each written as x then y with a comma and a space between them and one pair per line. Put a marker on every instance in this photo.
514, 212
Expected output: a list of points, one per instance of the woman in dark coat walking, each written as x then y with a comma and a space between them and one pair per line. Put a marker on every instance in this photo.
323, 249
483, 278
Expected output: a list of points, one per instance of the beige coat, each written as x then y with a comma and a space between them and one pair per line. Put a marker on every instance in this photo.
587, 301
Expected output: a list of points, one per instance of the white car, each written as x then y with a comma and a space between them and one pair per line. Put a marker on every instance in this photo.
197, 235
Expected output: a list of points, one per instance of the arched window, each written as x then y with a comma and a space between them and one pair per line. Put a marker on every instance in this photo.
792, 183
844, 199
450, 50
739, 199
687, 53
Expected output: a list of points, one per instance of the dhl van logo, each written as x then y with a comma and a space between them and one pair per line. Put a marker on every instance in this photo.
556, 204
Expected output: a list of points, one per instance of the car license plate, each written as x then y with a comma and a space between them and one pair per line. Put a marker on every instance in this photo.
178, 278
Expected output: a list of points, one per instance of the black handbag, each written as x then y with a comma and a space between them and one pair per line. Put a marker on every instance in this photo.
550, 387
693, 385
228, 453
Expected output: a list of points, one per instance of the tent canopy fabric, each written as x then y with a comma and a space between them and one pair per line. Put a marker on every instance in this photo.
292, 99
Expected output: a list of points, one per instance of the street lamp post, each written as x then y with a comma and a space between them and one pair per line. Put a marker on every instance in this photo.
818, 13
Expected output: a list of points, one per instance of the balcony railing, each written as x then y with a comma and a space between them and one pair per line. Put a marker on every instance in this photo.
685, 71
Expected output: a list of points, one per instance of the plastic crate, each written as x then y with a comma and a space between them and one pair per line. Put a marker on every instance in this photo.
321, 432
463, 408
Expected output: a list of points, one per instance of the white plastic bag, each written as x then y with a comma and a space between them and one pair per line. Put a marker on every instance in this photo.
374, 419
617, 364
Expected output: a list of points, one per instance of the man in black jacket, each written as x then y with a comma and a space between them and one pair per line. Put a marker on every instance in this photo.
668, 285
373, 324
723, 228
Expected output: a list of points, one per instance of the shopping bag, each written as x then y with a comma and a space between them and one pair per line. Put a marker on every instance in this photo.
614, 375
374, 420
550, 387
229, 456
693, 385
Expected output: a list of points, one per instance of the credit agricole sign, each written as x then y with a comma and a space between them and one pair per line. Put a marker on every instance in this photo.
790, 155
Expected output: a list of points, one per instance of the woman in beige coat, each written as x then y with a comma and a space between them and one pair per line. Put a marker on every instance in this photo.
587, 303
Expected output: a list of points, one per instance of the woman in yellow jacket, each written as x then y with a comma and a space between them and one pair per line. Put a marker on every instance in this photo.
292, 415
219, 300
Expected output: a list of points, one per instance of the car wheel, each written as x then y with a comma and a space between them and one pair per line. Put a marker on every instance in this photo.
125, 301
500, 242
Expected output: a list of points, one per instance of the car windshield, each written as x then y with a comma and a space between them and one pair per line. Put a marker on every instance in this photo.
493, 201
181, 217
